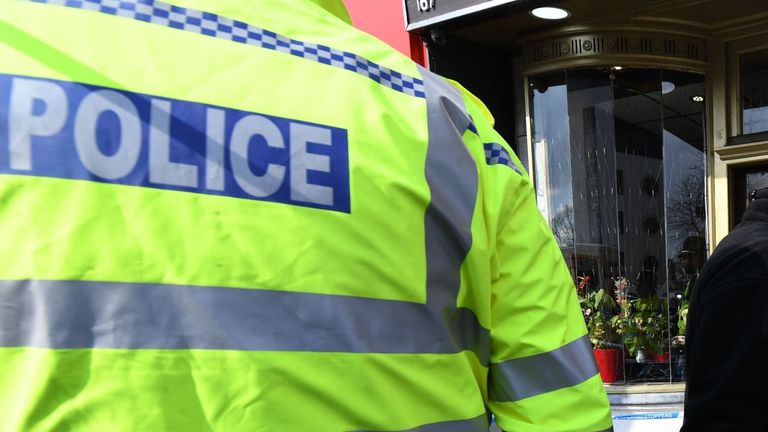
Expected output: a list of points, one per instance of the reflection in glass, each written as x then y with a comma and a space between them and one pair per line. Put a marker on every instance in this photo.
684, 197
553, 188
754, 92
619, 173
650, 186
757, 180
651, 225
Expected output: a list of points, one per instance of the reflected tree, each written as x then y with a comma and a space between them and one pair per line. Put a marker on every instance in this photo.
564, 227
687, 218
685, 211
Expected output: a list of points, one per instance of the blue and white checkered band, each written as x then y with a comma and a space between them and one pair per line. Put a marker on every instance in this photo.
496, 154
209, 24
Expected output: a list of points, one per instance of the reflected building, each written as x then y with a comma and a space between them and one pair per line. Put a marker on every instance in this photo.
627, 156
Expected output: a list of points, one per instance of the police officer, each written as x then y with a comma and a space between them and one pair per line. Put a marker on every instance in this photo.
247, 215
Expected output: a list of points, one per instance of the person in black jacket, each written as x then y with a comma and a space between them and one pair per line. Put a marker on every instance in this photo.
727, 332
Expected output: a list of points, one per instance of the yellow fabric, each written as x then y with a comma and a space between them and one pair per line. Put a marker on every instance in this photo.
570, 409
204, 390
336, 7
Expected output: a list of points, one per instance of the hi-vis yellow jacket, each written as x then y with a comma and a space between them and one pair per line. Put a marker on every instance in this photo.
245, 215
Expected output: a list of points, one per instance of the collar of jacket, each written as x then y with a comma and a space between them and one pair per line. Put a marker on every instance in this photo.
335, 7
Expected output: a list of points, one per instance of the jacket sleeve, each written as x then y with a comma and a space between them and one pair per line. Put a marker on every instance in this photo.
542, 374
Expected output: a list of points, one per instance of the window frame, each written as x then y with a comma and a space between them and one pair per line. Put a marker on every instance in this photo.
734, 51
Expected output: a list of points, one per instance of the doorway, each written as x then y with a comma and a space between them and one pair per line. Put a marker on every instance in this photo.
744, 180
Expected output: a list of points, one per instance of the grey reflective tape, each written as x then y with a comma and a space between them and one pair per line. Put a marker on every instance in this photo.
79, 314
452, 177
476, 424
522, 378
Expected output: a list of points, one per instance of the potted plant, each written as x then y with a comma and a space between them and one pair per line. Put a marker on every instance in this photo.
682, 313
646, 330
600, 314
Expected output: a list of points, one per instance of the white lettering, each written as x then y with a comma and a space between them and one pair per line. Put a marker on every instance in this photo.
301, 161
214, 149
106, 135
124, 160
23, 123
245, 129
161, 169
425, 5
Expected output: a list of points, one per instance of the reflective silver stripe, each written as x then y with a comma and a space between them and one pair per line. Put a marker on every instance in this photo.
79, 314
522, 378
452, 177
477, 424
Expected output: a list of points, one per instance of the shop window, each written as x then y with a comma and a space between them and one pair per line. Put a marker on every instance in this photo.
619, 165
753, 79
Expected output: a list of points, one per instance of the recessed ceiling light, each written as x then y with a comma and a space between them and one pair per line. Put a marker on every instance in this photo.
617, 68
698, 98
550, 13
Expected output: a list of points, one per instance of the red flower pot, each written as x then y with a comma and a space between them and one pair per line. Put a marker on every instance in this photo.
610, 363
660, 358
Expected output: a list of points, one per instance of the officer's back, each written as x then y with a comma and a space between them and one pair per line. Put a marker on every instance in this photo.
230, 215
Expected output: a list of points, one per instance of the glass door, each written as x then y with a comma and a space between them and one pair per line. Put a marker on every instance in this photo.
619, 158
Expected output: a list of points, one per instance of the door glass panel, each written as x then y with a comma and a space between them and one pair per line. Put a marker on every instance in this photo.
684, 201
619, 173
640, 154
753, 79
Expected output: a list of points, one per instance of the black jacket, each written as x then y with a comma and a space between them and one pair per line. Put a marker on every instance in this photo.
727, 332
